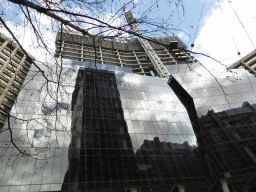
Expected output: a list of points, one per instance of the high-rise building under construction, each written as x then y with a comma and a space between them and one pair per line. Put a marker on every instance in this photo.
129, 54
146, 57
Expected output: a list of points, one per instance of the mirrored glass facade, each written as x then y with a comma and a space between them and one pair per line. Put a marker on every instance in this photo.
225, 104
106, 129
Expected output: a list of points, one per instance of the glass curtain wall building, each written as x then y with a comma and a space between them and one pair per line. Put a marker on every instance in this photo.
115, 131
128, 134
110, 129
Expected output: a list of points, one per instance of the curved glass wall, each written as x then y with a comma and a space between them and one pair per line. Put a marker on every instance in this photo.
103, 128
225, 103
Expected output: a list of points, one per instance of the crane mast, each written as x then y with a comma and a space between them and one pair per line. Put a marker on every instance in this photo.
158, 65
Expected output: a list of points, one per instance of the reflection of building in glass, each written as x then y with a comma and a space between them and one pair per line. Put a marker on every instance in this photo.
248, 63
113, 115
150, 109
226, 130
101, 153
231, 136
124, 54
14, 68
162, 160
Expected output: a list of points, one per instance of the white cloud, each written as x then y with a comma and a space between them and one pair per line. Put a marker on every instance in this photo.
136, 1
183, 36
215, 38
30, 42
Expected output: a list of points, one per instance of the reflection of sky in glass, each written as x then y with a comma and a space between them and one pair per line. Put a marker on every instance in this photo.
220, 90
149, 105
150, 110
225, 102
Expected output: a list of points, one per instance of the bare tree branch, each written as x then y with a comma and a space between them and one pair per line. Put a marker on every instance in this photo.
48, 13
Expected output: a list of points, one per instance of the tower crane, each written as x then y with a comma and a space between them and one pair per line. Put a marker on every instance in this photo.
158, 65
